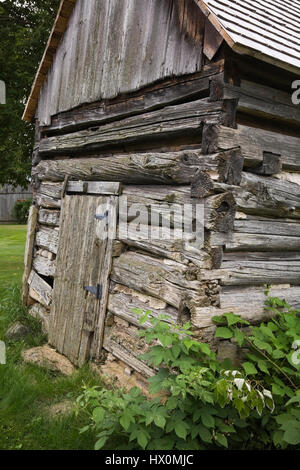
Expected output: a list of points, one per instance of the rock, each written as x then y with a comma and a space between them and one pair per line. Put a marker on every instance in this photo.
47, 357
64, 408
228, 350
17, 331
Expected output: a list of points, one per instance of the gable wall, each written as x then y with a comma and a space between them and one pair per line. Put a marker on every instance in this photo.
113, 47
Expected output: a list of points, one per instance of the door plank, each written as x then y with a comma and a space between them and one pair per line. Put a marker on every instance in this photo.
82, 260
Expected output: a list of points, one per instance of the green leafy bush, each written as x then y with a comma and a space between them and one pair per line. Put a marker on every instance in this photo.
21, 210
200, 404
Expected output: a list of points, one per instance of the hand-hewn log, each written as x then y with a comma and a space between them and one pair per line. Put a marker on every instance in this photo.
172, 120
49, 194
164, 279
236, 300
266, 196
121, 353
257, 269
122, 300
167, 243
253, 143
232, 297
94, 187
49, 217
154, 97
149, 167
259, 234
235, 241
47, 238
263, 101
31, 227
39, 289
271, 165
44, 266
219, 210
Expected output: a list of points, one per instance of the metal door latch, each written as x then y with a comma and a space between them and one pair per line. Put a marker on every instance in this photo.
95, 290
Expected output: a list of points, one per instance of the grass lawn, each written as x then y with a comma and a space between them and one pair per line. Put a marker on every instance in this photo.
26, 391
12, 242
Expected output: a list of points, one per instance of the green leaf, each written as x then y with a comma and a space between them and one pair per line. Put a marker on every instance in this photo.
83, 430
125, 421
204, 433
219, 320
293, 400
239, 337
207, 419
142, 439
249, 368
180, 429
221, 439
98, 415
101, 443
223, 332
263, 366
292, 434
160, 421
166, 340
205, 348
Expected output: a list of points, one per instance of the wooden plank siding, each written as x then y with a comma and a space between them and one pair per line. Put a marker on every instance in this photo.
119, 47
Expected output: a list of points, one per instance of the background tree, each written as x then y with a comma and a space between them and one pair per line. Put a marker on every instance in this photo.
24, 30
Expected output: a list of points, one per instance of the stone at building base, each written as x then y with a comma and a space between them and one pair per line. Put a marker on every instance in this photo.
47, 357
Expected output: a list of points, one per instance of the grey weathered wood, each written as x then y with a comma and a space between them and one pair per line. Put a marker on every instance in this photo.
39, 289
122, 301
147, 167
44, 266
236, 299
94, 187
178, 119
163, 94
239, 296
254, 242
47, 238
49, 194
263, 101
167, 243
97, 344
253, 233
266, 196
105, 47
125, 356
257, 268
219, 210
49, 217
82, 260
163, 279
31, 228
253, 143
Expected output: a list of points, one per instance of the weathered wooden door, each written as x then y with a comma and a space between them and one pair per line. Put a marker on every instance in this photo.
87, 229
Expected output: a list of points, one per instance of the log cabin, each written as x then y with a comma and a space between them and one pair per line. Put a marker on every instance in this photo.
161, 103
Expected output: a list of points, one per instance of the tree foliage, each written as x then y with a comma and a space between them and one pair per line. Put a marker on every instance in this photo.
24, 31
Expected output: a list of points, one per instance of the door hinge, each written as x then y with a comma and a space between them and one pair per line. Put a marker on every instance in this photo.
95, 290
